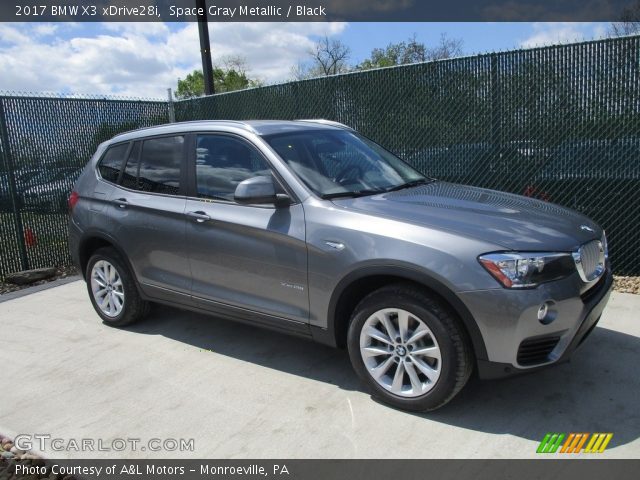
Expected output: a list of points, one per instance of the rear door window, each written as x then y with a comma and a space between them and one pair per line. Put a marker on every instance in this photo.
159, 169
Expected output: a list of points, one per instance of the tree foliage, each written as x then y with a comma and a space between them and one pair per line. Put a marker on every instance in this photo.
411, 51
232, 75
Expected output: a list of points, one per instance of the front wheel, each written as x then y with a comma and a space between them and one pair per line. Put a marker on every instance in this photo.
410, 350
112, 289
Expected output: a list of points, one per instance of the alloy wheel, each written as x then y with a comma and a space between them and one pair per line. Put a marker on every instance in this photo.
107, 288
400, 352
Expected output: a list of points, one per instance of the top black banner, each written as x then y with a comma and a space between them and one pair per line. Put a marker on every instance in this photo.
318, 10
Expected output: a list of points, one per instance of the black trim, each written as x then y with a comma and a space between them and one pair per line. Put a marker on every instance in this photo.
407, 273
191, 187
228, 312
126, 161
536, 350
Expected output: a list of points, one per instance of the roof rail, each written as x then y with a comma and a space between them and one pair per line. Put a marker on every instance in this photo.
236, 122
322, 121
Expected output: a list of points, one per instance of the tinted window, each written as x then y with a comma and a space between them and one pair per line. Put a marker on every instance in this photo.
112, 161
130, 174
159, 169
222, 162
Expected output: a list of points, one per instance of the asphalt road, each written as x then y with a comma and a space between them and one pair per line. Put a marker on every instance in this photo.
240, 392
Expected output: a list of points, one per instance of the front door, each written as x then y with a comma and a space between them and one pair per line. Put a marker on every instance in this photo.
249, 257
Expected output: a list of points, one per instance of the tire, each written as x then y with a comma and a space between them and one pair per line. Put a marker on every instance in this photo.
108, 276
427, 367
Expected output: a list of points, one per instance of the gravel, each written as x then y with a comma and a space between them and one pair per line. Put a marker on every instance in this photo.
10, 456
627, 284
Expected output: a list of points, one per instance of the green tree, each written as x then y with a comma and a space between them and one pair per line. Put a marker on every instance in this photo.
411, 51
227, 78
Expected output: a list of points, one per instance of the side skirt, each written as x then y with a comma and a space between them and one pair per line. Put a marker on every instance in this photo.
199, 305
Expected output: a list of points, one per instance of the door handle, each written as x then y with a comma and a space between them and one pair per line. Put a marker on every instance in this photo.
199, 216
121, 202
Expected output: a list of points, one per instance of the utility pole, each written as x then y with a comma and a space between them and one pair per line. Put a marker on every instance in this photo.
205, 47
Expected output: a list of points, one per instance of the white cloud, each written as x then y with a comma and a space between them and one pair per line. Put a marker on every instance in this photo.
45, 29
553, 33
144, 59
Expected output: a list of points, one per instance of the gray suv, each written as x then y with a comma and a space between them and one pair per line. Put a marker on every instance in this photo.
309, 228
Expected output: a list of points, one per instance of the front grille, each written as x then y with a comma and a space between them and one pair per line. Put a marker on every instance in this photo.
590, 260
536, 350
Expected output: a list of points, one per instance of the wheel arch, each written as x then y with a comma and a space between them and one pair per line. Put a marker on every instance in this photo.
359, 283
91, 241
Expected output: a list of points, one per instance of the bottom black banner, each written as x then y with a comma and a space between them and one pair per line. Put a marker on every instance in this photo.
569, 469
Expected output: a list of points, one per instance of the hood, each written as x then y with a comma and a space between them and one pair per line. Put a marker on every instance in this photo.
511, 221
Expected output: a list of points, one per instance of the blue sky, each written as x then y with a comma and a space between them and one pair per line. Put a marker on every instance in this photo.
144, 59
477, 37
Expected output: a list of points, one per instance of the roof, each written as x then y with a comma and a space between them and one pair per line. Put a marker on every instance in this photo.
259, 127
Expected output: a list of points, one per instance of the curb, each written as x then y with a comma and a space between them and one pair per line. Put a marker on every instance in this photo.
38, 288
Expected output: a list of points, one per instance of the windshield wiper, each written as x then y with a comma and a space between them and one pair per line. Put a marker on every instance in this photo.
412, 183
351, 194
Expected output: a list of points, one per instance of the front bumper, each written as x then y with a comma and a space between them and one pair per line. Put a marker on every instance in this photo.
508, 322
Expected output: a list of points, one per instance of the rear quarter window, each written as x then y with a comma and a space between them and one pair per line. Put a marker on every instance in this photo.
111, 163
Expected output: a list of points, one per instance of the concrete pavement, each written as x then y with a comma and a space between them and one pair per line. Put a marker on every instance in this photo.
240, 392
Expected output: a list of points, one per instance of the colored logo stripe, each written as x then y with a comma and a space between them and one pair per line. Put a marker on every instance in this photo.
574, 442
550, 443
598, 442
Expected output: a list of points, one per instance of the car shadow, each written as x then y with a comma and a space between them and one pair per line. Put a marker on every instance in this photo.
597, 391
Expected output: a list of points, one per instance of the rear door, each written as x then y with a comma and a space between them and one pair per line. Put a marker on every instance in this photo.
148, 212
249, 256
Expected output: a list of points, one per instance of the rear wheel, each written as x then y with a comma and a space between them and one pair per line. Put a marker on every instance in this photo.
410, 350
112, 289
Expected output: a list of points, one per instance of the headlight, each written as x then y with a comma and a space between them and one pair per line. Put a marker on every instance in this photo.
527, 269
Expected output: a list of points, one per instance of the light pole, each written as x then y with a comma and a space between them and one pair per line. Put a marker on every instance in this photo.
205, 47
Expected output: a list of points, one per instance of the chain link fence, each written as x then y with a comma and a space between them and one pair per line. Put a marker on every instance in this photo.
559, 123
45, 142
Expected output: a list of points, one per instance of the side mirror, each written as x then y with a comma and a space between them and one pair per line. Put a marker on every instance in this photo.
259, 191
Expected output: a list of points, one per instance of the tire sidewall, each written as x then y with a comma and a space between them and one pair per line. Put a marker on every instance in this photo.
447, 380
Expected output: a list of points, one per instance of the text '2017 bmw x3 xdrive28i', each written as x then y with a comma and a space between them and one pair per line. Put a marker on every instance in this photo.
310, 228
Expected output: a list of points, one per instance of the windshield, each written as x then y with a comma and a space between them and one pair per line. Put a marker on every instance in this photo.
336, 163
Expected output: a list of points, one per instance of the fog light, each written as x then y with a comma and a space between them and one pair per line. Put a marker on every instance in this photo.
546, 313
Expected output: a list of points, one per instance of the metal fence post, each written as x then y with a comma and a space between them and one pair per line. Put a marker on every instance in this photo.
496, 121
13, 191
171, 106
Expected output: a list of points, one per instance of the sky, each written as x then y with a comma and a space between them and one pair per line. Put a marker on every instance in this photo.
142, 60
